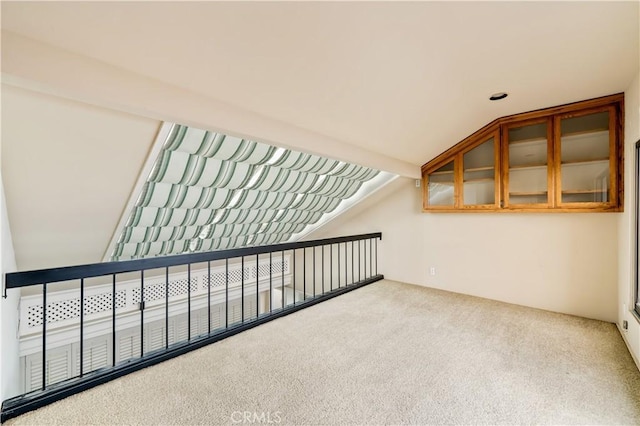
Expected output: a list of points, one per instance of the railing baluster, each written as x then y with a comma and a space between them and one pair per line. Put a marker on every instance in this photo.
376, 258
293, 277
142, 313
113, 322
338, 265
304, 274
226, 294
209, 297
370, 257
188, 302
166, 308
359, 262
365, 259
331, 266
314, 271
242, 291
353, 275
81, 327
323, 267
346, 265
282, 276
257, 285
44, 336
270, 282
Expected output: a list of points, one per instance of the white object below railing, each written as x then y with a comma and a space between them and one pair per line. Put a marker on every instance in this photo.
63, 307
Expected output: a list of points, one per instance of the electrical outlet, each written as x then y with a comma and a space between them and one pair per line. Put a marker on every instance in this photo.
417, 183
432, 271
625, 325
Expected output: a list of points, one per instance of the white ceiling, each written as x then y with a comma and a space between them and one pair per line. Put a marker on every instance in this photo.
399, 80
405, 79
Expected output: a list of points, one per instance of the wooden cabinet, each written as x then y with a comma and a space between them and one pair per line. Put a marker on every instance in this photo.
441, 187
566, 158
527, 169
479, 173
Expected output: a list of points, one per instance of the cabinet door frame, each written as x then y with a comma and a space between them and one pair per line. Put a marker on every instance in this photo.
425, 186
459, 176
506, 204
613, 193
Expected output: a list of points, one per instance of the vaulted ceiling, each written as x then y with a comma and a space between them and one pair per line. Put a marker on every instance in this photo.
387, 85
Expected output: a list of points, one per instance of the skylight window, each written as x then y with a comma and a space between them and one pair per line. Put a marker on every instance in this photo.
209, 191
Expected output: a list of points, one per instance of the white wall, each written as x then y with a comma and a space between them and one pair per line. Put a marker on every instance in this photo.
47, 202
559, 262
9, 361
626, 226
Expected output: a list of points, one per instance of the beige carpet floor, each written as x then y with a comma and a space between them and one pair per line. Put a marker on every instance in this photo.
388, 353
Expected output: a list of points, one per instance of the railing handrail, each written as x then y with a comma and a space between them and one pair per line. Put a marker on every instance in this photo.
67, 273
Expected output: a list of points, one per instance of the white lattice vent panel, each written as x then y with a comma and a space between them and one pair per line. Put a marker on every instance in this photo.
219, 279
158, 291
63, 307
263, 270
70, 308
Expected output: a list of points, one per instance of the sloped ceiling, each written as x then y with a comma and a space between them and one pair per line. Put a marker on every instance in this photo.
401, 81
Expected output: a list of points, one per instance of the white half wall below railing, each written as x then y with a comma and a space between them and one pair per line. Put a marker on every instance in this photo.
214, 305
63, 307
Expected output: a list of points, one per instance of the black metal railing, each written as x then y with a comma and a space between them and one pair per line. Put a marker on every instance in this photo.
81, 326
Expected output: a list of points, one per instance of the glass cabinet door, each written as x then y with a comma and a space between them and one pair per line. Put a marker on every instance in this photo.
479, 174
527, 164
441, 187
585, 158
